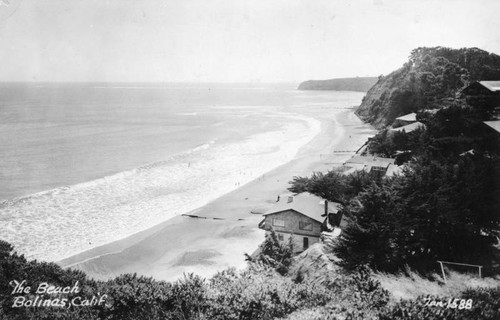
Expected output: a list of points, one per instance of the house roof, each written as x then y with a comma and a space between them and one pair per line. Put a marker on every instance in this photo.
491, 85
305, 203
493, 124
410, 127
408, 117
371, 161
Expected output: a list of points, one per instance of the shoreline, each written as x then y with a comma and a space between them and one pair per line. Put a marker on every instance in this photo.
99, 212
184, 244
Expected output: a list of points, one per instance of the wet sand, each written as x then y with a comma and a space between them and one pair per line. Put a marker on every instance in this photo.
227, 228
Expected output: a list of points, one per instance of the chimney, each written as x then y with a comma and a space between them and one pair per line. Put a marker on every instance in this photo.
326, 208
290, 199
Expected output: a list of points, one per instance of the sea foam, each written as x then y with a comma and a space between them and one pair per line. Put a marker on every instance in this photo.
59, 223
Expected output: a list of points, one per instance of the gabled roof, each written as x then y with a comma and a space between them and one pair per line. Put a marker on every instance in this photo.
371, 161
493, 124
491, 85
408, 117
308, 204
410, 127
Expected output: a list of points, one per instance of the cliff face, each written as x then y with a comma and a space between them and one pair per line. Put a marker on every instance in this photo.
341, 84
431, 78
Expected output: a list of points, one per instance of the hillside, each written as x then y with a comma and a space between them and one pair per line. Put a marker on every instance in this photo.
362, 84
314, 289
426, 81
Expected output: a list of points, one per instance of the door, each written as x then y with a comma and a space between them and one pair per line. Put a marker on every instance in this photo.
306, 243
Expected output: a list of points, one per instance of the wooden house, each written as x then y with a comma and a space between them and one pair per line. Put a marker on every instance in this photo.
303, 216
406, 123
483, 94
488, 88
374, 165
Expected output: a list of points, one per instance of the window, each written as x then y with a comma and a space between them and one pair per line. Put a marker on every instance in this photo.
278, 223
303, 225
306, 243
280, 237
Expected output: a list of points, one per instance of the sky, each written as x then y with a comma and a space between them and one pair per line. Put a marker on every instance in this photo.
231, 40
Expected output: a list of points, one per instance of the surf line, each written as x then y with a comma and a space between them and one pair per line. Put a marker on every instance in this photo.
213, 218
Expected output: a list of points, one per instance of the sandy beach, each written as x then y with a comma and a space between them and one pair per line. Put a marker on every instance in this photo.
227, 227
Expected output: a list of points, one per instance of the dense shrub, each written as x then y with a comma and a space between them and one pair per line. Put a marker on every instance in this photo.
259, 293
333, 185
273, 253
133, 297
433, 211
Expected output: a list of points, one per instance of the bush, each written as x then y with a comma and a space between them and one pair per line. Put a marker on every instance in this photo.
261, 293
274, 254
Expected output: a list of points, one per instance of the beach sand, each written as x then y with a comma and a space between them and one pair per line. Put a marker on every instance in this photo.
228, 228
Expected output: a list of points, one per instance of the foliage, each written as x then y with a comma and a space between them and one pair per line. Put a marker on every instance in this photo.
133, 297
399, 145
353, 296
274, 254
426, 81
333, 185
434, 211
451, 131
444, 206
410, 285
259, 292
480, 64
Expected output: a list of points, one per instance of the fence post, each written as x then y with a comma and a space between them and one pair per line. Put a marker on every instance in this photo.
442, 270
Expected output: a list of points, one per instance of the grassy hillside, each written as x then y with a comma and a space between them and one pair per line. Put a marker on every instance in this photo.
429, 78
361, 84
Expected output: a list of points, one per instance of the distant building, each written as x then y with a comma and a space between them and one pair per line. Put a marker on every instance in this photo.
406, 123
405, 120
304, 216
483, 94
408, 128
495, 125
371, 164
482, 88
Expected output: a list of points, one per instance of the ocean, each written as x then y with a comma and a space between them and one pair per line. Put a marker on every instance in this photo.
84, 164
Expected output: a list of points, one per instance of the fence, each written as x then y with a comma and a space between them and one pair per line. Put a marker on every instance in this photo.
458, 264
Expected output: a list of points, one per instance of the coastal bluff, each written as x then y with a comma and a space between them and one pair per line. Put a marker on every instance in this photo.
361, 84
432, 78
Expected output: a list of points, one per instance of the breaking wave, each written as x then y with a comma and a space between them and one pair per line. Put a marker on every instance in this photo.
59, 223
